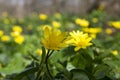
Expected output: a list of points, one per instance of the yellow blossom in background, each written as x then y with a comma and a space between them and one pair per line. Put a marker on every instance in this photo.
108, 31
56, 24
17, 29
39, 51
115, 52
43, 17
6, 21
101, 7
92, 30
57, 15
82, 22
5, 38
95, 20
79, 40
15, 34
1, 33
19, 39
95, 30
53, 39
115, 24
93, 35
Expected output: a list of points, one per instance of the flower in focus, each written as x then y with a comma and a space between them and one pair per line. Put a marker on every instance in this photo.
1, 33
19, 39
53, 39
108, 31
82, 22
56, 24
43, 17
5, 38
115, 52
79, 40
17, 29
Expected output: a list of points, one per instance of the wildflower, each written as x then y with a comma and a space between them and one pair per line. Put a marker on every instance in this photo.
92, 30
57, 15
56, 24
82, 22
79, 40
5, 38
53, 39
1, 33
17, 29
19, 39
115, 24
95, 20
108, 31
43, 17
93, 35
46, 26
6, 21
115, 52
15, 34
39, 51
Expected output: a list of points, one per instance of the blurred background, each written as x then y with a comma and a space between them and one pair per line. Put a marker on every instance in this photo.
20, 8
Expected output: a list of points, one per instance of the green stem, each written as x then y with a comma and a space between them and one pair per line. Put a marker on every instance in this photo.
46, 62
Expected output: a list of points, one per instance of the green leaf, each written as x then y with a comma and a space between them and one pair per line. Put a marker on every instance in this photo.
33, 57
101, 71
78, 74
26, 72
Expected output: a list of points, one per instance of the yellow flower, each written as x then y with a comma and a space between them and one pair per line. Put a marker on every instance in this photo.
19, 39
39, 51
82, 22
53, 39
101, 7
5, 38
92, 30
17, 29
6, 21
95, 20
46, 26
93, 35
56, 24
15, 34
79, 40
43, 17
108, 31
115, 52
1, 33
57, 15
115, 24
